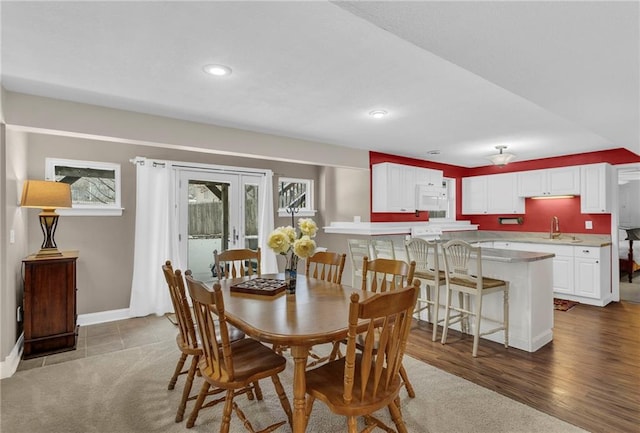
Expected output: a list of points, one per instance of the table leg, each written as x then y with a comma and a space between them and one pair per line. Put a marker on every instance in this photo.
300, 354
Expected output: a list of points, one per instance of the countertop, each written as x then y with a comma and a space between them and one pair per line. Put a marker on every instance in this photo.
572, 239
395, 228
512, 256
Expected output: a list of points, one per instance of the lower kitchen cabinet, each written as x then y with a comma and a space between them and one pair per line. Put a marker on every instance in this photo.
580, 273
49, 304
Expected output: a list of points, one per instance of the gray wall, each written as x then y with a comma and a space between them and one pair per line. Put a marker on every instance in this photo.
82, 132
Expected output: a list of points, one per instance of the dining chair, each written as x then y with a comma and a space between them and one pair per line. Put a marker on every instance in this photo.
358, 249
326, 265
467, 279
366, 381
381, 276
236, 263
426, 255
234, 366
186, 339
382, 248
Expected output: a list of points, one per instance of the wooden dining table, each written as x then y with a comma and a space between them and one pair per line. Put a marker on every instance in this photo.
317, 313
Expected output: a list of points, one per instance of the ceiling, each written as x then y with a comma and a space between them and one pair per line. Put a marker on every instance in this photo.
543, 78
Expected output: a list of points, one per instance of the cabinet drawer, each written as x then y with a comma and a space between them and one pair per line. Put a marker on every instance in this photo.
586, 252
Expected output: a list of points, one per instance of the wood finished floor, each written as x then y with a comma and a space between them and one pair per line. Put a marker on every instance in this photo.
589, 375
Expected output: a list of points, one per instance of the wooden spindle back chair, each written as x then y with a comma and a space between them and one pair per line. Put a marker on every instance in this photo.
237, 263
381, 275
326, 265
370, 378
220, 368
426, 255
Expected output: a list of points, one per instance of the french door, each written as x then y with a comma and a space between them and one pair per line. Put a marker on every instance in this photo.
216, 211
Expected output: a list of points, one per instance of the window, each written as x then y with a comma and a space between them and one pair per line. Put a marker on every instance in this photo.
296, 193
95, 186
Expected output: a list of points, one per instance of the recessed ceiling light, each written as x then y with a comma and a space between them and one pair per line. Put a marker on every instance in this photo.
378, 114
217, 70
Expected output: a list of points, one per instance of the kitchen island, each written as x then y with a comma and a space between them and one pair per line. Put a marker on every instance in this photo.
530, 277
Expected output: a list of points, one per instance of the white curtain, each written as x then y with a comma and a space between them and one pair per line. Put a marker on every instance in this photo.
269, 262
153, 244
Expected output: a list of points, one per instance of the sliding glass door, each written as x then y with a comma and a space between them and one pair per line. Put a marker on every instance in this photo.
217, 211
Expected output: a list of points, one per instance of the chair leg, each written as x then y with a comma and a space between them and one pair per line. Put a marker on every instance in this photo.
436, 310
176, 373
476, 332
505, 299
257, 390
396, 416
335, 352
447, 315
284, 401
226, 413
187, 387
352, 423
407, 384
307, 410
204, 390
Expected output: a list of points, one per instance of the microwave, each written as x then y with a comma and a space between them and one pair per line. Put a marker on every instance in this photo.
430, 197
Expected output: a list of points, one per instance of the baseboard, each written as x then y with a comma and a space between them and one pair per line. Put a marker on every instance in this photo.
10, 363
103, 317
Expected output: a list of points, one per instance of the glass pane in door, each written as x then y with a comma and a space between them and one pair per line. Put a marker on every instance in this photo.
251, 216
208, 223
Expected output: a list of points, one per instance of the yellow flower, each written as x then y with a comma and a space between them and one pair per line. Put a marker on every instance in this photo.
279, 240
291, 233
304, 247
307, 227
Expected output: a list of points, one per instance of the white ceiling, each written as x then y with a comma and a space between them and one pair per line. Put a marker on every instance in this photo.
544, 78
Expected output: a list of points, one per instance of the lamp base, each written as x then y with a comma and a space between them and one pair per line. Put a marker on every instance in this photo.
48, 252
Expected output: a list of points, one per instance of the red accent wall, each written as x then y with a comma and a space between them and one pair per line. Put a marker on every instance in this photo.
538, 212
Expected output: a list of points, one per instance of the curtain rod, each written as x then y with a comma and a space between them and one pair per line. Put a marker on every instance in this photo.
203, 167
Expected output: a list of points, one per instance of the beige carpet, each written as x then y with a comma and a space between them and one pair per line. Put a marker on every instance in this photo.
126, 392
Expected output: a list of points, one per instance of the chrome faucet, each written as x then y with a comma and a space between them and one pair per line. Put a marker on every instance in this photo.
554, 232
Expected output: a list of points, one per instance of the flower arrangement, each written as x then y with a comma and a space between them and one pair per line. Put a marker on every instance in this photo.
286, 241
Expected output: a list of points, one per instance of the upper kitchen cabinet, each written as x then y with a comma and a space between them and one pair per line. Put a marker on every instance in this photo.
428, 177
549, 182
594, 188
491, 194
394, 186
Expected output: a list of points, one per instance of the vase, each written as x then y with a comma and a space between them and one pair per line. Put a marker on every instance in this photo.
291, 272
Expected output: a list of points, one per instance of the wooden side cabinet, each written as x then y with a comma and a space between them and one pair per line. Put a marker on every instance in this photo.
49, 304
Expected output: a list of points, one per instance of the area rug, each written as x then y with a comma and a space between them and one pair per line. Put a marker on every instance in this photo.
563, 304
126, 392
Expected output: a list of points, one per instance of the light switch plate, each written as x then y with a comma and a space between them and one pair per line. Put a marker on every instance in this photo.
12, 236
588, 225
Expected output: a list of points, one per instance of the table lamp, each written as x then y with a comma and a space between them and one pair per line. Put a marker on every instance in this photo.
48, 196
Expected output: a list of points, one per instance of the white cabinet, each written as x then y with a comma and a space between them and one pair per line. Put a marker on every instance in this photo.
474, 195
428, 177
394, 186
595, 188
491, 194
580, 273
592, 271
549, 182
563, 262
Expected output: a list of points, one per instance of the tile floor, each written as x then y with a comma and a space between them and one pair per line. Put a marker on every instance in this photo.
110, 337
